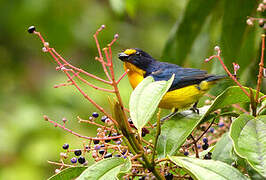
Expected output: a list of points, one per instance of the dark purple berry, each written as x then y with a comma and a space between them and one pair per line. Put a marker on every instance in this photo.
211, 130
73, 160
97, 147
96, 141
208, 156
199, 146
95, 114
103, 118
65, 146
31, 29
115, 134
77, 152
186, 153
130, 121
221, 124
108, 155
118, 142
205, 140
169, 176
144, 132
81, 160
107, 140
205, 146
234, 164
102, 151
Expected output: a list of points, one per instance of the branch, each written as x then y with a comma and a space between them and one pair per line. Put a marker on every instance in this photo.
225, 68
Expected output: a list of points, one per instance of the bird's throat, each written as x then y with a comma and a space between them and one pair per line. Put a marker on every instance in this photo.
135, 74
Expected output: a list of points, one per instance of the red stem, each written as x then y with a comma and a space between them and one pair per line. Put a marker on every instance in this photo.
79, 135
261, 67
227, 71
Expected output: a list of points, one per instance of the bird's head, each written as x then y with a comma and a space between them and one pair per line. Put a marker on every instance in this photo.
137, 57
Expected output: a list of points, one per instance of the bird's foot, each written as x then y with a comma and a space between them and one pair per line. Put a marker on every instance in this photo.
169, 116
194, 108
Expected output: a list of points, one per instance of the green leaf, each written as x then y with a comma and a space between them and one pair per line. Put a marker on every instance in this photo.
207, 169
106, 169
68, 173
223, 149
249, 140
231, 95
118, 6
234, 28
145, 99
174, 133
187, 29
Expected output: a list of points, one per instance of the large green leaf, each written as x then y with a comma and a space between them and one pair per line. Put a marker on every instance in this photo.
249, 140
234, 28
145, 99
223, 149
174, 133
231, 95
106, 169
68, 173
207, 169
187, 29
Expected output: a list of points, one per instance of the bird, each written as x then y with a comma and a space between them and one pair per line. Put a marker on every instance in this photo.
188, 86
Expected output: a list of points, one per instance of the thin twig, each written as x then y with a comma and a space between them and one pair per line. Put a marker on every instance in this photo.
261, 65
227, 71
195, 146
79, 135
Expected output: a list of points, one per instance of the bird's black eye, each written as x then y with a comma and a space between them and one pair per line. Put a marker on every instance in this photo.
138, 54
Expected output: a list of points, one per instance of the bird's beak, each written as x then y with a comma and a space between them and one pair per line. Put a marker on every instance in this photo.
123, 56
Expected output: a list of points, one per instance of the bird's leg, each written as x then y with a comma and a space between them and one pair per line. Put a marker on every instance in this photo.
194, 108
168, 116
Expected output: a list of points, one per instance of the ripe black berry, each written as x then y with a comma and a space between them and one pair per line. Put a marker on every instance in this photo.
208, 156
81, 160
74, 160
144, 132
186, 153
108, 155
65, 146
221, 124
205, 146
96, 141
169, 176
211, 130
102, 151
115, 134
95, 114
31, 29
77, 152
103, 118
205, 140
107, 140
130, 121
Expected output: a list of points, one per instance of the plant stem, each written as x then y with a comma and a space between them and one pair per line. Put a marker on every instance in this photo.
195, 146
158, 132
261, 65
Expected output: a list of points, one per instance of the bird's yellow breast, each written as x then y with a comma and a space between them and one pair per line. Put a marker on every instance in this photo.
180, 98
135, 75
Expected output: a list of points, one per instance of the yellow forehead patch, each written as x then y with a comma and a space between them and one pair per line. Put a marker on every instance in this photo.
130, 51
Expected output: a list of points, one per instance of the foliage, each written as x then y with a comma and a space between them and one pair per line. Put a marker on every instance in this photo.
27, 78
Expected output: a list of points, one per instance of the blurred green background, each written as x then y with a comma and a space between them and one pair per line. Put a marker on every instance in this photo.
181, 32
